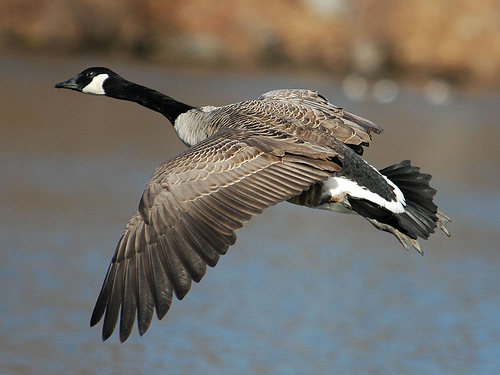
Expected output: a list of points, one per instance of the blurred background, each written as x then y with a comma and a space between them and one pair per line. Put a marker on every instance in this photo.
302, 291
453, 40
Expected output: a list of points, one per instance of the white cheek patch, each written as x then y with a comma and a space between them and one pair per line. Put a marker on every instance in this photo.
95, 87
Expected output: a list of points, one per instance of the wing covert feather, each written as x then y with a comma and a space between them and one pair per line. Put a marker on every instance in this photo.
314, 110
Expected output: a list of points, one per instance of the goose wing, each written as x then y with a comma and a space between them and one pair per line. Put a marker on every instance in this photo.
313, 109
189, 213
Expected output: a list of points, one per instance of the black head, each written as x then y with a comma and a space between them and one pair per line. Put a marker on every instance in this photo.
90, 81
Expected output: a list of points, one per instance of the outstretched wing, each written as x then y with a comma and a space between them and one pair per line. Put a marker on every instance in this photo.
313, 109
189, 213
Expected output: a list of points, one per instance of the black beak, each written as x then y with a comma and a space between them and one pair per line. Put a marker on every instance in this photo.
69, 84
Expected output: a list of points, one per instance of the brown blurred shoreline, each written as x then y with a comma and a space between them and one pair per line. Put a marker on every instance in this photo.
413, 41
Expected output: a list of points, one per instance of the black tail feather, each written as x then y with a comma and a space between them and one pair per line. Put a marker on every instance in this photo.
419, 218
421, 215
414, 185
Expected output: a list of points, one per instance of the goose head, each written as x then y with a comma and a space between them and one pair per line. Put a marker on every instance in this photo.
93, 81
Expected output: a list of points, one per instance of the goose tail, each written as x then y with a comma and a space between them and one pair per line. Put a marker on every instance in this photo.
421, 215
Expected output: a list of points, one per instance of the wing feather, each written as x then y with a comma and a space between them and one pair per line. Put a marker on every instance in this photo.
314, 110
159, 283
129, 305
114, 300
188, 216
175, 270
143, 294
240, 205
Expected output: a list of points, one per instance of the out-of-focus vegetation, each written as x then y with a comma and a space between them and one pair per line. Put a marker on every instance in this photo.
458, 40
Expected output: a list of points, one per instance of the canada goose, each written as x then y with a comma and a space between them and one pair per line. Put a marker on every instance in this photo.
288, 145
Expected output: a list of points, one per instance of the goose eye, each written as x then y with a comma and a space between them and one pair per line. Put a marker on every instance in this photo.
90, 74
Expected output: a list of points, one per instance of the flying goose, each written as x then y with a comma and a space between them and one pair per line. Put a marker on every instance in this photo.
288, 145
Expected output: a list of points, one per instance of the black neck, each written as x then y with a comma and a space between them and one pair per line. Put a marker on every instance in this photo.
149, 98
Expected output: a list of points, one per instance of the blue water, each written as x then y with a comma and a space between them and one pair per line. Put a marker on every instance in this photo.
301, 292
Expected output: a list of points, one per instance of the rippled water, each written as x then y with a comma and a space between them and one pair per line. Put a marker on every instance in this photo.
301, 292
